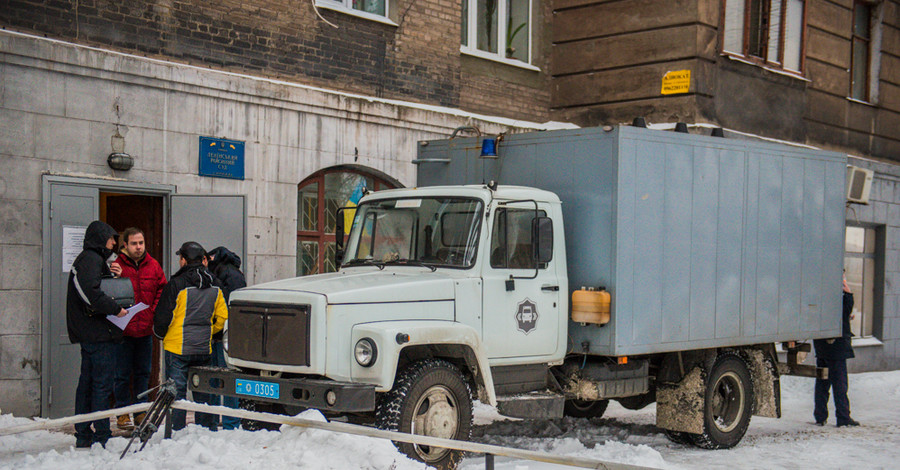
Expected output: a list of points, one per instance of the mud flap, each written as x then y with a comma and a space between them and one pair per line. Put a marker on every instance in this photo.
766, 384
679, 407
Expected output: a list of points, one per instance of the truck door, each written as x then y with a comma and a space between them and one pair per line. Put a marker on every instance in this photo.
521, 315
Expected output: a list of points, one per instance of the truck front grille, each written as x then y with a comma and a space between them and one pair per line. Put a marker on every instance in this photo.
269, 333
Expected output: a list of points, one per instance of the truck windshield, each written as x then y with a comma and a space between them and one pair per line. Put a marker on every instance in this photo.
432, 231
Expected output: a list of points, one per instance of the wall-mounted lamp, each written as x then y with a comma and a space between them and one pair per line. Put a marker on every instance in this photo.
118, 159
489, 148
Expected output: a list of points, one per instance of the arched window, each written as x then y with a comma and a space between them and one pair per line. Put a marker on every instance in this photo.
318, 197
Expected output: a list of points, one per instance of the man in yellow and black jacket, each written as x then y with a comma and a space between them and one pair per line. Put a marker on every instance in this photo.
190, 311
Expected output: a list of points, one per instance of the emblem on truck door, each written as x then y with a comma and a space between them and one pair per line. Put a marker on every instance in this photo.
526, 316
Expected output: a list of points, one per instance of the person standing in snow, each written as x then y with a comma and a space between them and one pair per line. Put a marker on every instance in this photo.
226, 266
135, 354
833, 354
86, 309
191, 310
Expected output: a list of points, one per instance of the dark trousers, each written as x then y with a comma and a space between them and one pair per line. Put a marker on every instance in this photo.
95, 386
837, 382
133, 358
218, 360
177, 369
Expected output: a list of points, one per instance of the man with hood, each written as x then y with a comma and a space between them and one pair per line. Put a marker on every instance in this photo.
136, 351
86, 310
190, 311
226, 266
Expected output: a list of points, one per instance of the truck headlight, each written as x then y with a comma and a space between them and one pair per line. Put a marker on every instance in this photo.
365, 352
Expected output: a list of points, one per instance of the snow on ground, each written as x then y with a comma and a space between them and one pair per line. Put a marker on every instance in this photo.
620, 435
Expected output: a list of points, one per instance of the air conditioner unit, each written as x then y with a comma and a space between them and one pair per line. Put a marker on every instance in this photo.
859, 183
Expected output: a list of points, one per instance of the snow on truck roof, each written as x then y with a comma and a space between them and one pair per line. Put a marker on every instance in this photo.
503, 192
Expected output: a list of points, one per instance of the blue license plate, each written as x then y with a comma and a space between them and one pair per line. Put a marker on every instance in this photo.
255, 388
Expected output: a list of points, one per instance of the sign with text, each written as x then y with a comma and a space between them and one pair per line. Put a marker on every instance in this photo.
221, 158
674, 82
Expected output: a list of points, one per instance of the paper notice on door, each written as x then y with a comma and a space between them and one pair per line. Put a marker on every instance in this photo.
122, 322
73, 244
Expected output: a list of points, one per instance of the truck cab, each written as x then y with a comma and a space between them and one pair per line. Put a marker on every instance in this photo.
438, 284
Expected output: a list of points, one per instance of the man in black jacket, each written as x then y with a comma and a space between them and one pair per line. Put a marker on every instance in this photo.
226, 266
86, 310
833, 354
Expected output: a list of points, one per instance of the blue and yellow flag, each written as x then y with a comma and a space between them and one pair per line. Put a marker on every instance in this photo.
355, 196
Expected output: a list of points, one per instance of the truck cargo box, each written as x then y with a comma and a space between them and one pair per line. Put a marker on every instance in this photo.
701, 241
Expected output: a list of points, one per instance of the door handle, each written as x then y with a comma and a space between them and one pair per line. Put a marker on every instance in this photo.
550, 288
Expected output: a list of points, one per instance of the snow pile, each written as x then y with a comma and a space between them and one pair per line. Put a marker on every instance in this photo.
197, 447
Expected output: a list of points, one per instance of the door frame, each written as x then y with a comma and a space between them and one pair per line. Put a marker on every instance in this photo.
127, 187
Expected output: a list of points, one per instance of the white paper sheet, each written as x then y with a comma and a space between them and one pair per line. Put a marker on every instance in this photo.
122, 322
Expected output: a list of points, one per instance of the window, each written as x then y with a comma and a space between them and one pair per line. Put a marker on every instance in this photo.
766, 31
371, 9
497, 29
318, 197
861, 269
511, 240
861, 52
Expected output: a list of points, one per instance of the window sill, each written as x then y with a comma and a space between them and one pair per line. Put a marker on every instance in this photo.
496, 58
357, 13
867, 103
785, 72
865, 342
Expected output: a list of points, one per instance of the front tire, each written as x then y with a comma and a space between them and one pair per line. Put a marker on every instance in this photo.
585, 408
429, 398
728, 405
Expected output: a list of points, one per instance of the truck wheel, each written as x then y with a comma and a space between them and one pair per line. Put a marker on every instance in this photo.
679, 437
728, 405
585, 408
429, 398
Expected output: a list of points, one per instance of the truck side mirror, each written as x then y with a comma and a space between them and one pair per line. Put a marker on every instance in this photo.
339, 236
542, 239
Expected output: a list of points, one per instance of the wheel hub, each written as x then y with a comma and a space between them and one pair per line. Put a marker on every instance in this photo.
435, 415
727, 402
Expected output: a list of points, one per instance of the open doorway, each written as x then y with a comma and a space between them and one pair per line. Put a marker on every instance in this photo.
121, 210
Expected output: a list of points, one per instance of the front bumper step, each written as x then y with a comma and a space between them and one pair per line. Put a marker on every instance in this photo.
309, 393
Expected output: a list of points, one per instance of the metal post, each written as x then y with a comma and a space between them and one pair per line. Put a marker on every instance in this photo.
488, 461
168, 433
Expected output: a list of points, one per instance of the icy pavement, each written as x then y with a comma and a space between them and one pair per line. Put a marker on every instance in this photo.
621, 435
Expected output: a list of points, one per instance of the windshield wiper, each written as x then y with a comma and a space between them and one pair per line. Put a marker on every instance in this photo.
367, 262
413, 262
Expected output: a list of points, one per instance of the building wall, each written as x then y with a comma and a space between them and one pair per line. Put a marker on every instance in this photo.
60, 104
418, 59
882, 212
609, 58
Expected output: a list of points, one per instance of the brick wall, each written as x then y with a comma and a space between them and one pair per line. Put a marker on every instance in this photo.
417, 60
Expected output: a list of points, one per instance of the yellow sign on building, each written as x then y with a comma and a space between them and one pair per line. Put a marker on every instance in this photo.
677, 81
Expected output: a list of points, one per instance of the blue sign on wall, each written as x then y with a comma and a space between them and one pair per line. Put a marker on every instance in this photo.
221, 158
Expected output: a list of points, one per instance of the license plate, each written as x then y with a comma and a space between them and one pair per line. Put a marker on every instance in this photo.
256, 388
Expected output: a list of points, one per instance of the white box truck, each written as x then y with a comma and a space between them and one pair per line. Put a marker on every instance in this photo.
686, 259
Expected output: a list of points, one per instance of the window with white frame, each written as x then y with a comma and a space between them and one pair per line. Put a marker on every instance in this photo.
375, 9
770, 32
860, 260
497, 29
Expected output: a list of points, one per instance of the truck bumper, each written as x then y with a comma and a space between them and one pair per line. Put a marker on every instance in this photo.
326, 395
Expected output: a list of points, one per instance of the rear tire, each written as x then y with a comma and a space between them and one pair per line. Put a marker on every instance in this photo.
585, 408
429, 398
728, 404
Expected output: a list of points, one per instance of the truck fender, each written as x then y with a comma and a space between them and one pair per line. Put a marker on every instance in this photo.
393, 337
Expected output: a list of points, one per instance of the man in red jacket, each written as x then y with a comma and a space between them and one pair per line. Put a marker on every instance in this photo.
136, 351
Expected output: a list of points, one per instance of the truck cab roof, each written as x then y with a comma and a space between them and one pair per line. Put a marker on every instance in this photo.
503, 192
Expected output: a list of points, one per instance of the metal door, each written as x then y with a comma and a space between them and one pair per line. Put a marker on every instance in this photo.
71, 209
209, 220
522, 319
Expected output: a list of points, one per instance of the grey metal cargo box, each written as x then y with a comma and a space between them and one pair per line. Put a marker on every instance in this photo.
701, 241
